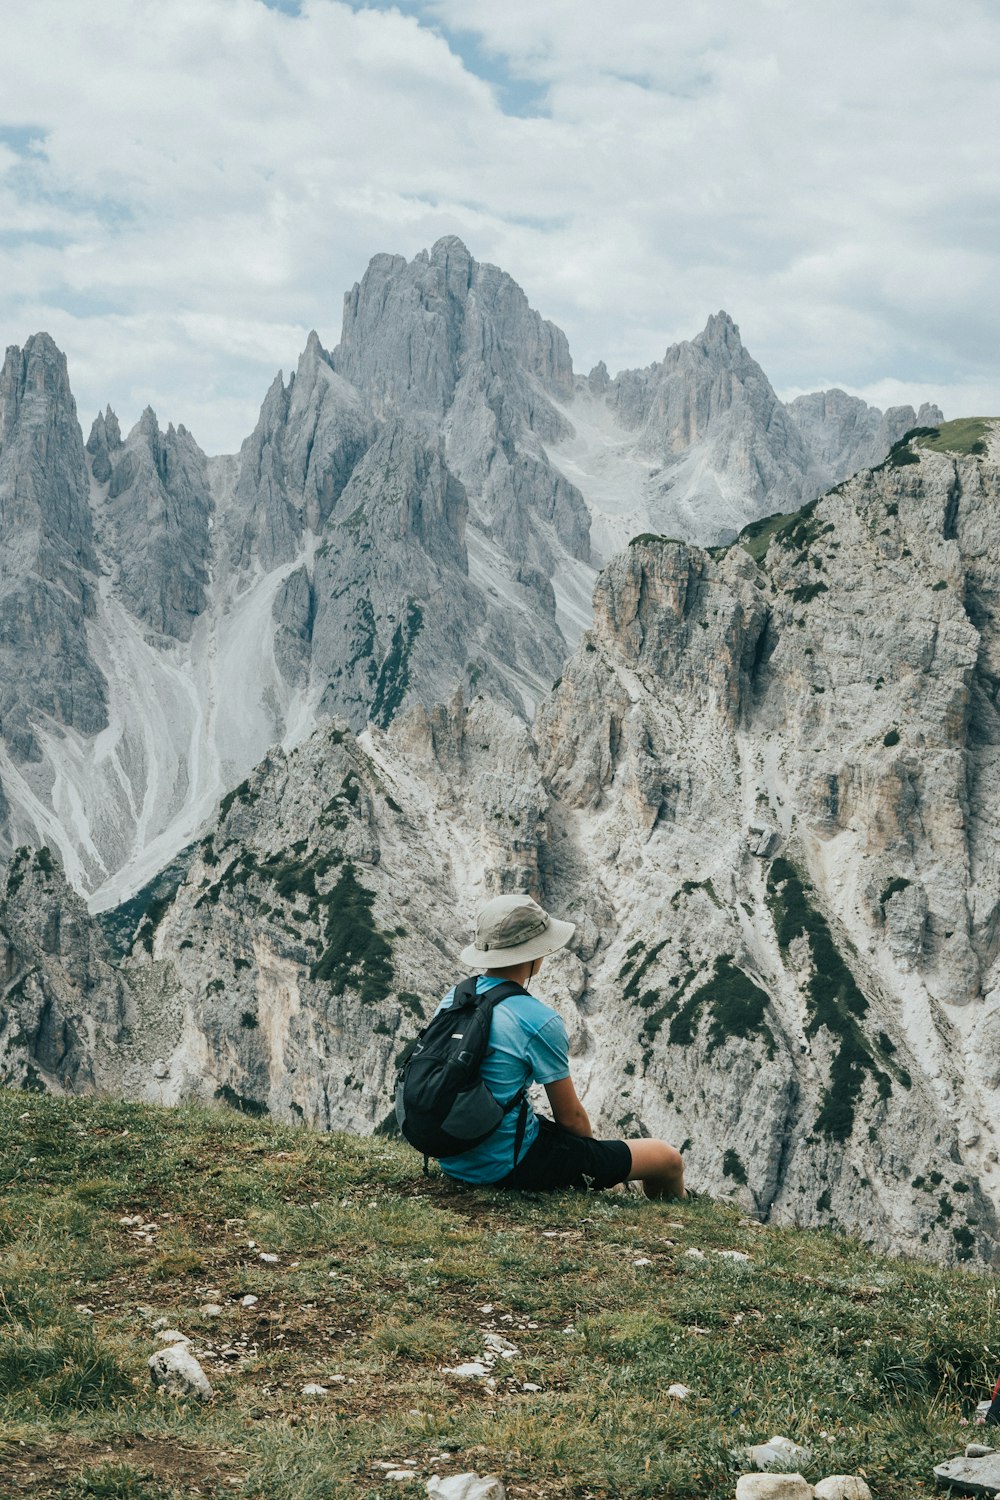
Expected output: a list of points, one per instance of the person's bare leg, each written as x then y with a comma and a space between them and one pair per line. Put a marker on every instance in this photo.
658, 1167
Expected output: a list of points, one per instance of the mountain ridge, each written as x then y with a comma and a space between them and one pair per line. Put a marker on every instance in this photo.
206, 609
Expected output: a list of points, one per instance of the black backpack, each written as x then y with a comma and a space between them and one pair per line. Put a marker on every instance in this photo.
443, 1107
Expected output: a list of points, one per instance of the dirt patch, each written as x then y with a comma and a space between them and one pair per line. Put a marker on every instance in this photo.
41, 1470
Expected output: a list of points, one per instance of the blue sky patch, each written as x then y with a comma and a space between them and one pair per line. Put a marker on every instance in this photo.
515, 95
26, 140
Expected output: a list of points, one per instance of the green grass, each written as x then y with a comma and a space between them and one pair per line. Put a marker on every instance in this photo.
385, 1278
967, 435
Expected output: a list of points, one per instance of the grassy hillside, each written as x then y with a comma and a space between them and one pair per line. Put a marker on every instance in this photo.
966, 435
383, 1279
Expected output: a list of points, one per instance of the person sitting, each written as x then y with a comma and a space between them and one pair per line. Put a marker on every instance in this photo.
528, 1044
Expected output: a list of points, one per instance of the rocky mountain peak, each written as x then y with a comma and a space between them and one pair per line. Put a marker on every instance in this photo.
154, 522
313, 354
721, 332
411, 330
34, 385
48, 564
105, 440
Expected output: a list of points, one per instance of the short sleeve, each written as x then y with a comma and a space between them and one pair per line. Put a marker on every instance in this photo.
548, 1052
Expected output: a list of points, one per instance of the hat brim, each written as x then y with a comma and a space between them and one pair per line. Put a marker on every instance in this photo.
555, 936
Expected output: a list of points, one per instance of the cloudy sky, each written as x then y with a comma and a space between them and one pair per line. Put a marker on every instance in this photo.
188, 186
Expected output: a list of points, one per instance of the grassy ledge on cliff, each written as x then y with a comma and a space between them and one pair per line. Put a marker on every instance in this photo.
379, 1283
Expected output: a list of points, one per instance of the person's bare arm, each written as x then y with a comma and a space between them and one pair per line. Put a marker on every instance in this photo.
567, 1110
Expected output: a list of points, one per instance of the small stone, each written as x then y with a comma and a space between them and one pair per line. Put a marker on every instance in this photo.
642, 1261
733, 1255
177, 1372
312, 1389
497, 1345
211, 1310
842, 1487
779, 1453
473, 1369
401, 1475
171, 1336
466, 1487
529, 1385
249, 1300
773, 1487
693, 1254
160, 1069
678, 1391
978, 1450
268, 1259
972, 1476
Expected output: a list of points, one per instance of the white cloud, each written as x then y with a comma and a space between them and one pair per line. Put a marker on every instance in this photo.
216, 173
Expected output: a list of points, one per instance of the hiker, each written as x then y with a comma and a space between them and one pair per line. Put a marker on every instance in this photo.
528, 1044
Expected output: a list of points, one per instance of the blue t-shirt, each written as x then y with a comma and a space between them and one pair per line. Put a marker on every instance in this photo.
528, 1044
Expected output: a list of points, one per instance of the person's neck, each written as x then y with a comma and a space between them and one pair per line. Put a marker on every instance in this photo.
520, 974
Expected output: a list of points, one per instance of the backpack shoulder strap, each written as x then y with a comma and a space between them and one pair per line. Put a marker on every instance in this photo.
466, 991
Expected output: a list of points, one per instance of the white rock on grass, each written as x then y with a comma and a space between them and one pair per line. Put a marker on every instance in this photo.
499, 1347
313, 1389
211, 1310
249, 1300
466, 1487
172, 1336
842, 1487
678, 1391
473, 1369
773, 1487
177, 1372
268, 1258
780, 1453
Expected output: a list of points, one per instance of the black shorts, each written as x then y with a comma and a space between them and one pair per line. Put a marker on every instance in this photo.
560, 1159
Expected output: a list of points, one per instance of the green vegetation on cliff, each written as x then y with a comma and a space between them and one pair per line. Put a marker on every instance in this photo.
966, 435
836, 1002
115, 1215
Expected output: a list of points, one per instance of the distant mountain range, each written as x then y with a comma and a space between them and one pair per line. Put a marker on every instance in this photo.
428, 505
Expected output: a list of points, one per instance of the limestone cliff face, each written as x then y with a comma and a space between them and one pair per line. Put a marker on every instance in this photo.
153, 520
48, 565
317, 926
711, 390
698, 444
445, 339
64, 1009
309, 436
844, 434
786, 792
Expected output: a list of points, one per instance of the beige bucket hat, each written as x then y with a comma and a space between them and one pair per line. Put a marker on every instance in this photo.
513, 930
